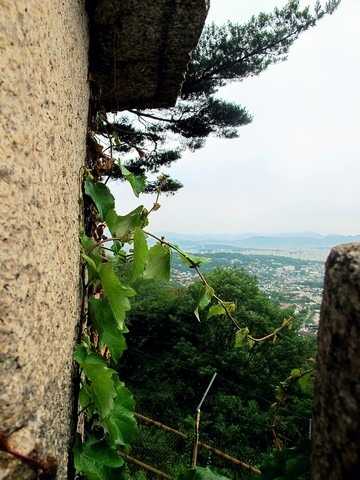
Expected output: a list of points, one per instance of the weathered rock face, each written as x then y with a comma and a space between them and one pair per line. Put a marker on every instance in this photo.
336, 423
140, 49
43, 106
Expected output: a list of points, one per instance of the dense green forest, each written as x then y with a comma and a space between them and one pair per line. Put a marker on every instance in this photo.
171, 358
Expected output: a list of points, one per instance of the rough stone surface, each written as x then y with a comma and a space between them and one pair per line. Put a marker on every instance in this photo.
43, 108
336, 422
140, 49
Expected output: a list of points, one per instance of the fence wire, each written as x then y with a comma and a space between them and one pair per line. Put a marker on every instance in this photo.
159, 452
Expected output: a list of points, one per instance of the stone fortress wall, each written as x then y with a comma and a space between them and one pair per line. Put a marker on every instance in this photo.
44, 48
44, 108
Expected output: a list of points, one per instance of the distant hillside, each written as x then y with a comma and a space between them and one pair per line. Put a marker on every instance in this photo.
301, 241
291, 242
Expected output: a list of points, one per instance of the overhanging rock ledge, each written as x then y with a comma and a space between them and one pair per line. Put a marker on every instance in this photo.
139, 50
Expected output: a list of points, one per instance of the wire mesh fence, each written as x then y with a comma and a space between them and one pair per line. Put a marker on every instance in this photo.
159, 451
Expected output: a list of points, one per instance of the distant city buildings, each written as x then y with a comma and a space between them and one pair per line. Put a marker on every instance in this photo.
290, 282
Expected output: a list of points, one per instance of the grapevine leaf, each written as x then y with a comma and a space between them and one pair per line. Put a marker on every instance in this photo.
141, 254
159, 259
85, 399
80, 354
230, 307
101, 196
137, 183
86, 342
295, 373
109, 330
91, 268
241, 337
84, 396
288, 463
216, 310
116, 293
87, 243
96, 460
204, 299
279, 392
124, 170
90, 263
121, 225
102, 389
121, 424
190, 260
305, 382
117, 248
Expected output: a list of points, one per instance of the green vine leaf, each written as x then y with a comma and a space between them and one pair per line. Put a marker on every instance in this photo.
117, 294
305, 383
190, 260
216, 310
119, 225
159, 260
91, 268
137, 183
109, 329
85, 399
121, 423
101, 196
102, 389
288, 463
117, 248
303, 378
141, 254
97, 460
295, 374
204, 299
280, 393
95, 254
241, 337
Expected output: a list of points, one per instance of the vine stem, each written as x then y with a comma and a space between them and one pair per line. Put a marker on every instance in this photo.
277, 330
104, 240
201, 276
222, 303
281, 400
156, 203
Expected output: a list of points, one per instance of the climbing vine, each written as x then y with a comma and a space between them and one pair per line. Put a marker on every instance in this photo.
106, 405
106, 423
289, 463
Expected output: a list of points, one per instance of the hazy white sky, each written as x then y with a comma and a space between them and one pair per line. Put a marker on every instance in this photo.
297, 166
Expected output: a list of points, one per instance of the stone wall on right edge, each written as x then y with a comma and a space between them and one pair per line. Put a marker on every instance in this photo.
336, 419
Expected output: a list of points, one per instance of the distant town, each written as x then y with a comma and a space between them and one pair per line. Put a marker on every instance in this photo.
290, 272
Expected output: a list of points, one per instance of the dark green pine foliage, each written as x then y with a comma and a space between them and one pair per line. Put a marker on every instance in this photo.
224, 54
232, 52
